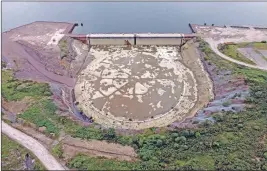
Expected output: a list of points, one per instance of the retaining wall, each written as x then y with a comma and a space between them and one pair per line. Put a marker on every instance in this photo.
110, 39
133, 39
158, 41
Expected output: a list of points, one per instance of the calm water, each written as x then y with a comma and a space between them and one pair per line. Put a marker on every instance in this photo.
127, 17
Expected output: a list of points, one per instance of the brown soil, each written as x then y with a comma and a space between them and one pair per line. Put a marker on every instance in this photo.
74, 146
46, 141
189, 55
30, 54
17, 107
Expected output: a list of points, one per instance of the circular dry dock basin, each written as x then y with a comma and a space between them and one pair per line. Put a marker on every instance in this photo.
137, 88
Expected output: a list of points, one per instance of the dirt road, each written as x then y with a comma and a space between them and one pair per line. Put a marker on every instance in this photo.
214, 44
34, 146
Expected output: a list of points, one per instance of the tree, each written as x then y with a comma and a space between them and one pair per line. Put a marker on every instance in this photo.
185, 133
174, 135
180, 139
159, 143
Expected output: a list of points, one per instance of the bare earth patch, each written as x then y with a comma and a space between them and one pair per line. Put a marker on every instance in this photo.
17, 107
74, 146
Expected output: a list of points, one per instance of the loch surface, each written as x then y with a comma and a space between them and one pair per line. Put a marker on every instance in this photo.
134, 17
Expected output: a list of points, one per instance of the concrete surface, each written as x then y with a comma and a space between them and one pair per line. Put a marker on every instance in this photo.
218, 35
258, 58
139, 87
34, 146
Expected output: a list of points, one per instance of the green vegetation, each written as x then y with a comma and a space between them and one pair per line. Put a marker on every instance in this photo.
252, 76
63, 45
233, 142
232, 51
13, 89
12, 155
260, 45
226, 104
57, 151
42, 113
236, 141
90, 163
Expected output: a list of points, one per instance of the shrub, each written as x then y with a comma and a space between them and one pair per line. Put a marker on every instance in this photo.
180, 139
174, 135
185, 133
197, 134
159, 143
110, 134
226, 103
57, 150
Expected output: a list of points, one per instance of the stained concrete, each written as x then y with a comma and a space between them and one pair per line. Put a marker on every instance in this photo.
136, 86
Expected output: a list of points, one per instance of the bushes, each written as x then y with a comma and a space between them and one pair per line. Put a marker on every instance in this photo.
89, 133
63, 45
230, 133
226, 103
180, 139
110, 134
57, 150
13, 89
83, 162
42, 113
